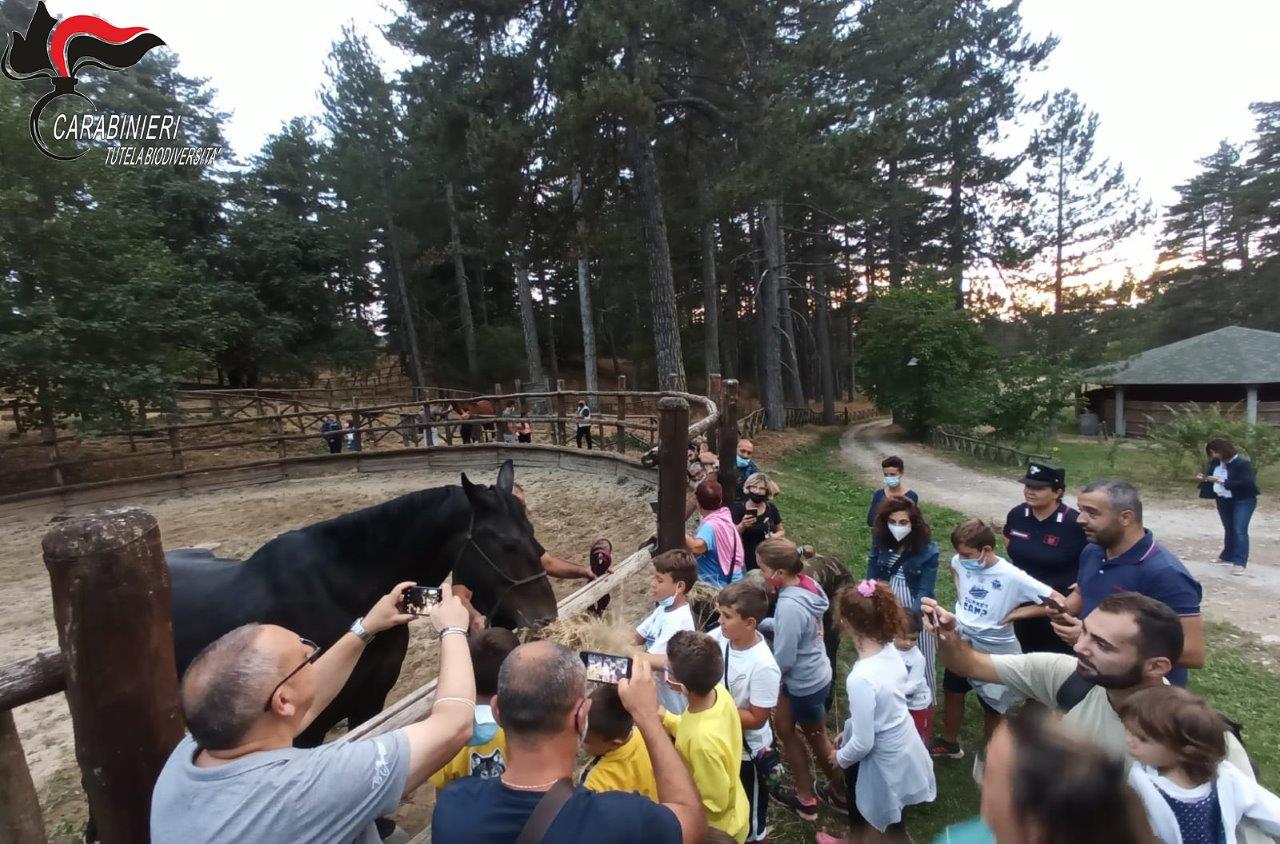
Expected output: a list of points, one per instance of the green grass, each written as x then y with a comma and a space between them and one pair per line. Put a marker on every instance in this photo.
1087, 459
824, 505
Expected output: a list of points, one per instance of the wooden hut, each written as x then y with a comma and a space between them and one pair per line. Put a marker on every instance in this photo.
1237, 368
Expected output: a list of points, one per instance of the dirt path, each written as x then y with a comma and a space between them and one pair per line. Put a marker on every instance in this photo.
1190, 528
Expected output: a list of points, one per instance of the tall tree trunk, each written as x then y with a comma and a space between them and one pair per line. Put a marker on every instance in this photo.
480, 297
1058, 235
552, 358
852, 338
786, 322
531, 350
770, 352
822, 326
406, 305
460, 278
729, 337
662, 288
584, 302
955, 220
710, 285
897, 265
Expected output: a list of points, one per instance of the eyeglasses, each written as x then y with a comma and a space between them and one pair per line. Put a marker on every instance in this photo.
312, 657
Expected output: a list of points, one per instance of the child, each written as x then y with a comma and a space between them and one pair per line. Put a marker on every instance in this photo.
709, 733
1190, 791
485, 754
674, 573
620, 760
989, 592
919, 695
885, 767
799, 649
753, 678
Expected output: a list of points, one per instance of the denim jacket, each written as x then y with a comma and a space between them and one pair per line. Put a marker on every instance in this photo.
920, 570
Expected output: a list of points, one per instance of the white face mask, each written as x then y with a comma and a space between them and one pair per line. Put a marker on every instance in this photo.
899, 531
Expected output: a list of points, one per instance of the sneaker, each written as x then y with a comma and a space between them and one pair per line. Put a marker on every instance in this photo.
1238, 571
833, 796
786, 796
824, 837
947, 749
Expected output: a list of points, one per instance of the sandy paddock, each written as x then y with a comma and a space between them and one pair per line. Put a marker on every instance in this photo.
569, 511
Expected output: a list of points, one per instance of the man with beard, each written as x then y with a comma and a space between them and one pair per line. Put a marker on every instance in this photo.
1128, 642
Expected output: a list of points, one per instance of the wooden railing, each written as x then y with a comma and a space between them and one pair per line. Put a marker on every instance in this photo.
985, 449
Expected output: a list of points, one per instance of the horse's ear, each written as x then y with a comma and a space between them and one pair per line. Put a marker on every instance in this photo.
507, 476
473, 492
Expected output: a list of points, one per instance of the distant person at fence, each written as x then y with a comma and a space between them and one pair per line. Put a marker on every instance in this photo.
506, 429
745, 465
486, 752
524, 431
351, 430
1044, 539
468, 428
1124, 556
1230, 480
716, 543
617, 757
237, 776
331, 432
1191, 793
894, 487
542, 705
583, 415
757, 517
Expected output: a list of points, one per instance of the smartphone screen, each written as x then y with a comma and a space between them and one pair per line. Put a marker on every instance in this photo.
606, 668
418, 599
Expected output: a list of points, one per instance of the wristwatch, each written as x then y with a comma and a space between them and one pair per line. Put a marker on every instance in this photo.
357, 627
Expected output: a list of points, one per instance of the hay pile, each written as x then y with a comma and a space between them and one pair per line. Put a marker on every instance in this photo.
610, 633
702, 602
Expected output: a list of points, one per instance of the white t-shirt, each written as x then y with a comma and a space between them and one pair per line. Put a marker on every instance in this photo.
985, 597
919, 696
753, 679
657, 629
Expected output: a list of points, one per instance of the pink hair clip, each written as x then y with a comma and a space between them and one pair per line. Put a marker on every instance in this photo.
867, 588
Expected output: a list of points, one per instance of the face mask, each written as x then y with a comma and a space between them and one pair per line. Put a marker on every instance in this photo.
892, 481
899, 531
666, 602
971, 565
743, 462
757, 497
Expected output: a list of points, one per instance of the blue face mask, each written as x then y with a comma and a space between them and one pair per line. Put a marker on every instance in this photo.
743, 462
971, 564
666, 602
892, 481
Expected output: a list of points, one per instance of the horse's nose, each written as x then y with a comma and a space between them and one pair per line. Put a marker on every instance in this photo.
543, 620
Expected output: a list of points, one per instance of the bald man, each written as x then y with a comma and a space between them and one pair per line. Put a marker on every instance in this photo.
542, 706
237, 776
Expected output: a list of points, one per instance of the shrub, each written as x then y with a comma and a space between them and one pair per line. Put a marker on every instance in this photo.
1178, 443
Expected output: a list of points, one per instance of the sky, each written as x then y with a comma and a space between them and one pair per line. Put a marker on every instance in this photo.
1168, 78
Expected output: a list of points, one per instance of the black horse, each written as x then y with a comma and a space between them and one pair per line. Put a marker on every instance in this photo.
317, 580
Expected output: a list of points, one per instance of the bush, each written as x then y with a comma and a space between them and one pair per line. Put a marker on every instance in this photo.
1031, 393
1178, 444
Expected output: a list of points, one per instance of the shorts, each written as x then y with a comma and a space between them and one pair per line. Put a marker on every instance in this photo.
923, 719
524, 438
757, 801
956, 684
810, 708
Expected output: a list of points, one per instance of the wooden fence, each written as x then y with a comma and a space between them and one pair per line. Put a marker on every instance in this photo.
986, 449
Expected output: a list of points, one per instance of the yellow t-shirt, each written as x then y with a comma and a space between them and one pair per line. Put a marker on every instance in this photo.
625, 769
711, 743
481, 760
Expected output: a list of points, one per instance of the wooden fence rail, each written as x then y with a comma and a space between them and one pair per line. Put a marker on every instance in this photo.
985, 449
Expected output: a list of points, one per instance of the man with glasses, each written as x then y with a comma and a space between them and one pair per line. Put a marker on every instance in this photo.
238, 777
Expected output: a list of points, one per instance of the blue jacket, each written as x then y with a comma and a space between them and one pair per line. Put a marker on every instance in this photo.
920, 570
1241, 479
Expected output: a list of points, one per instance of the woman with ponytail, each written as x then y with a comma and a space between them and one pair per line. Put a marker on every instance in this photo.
886, 766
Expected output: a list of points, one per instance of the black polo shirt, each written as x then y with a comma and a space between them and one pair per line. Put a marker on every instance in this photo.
1047, 550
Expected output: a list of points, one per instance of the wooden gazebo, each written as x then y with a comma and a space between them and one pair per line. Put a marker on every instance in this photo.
1237, 368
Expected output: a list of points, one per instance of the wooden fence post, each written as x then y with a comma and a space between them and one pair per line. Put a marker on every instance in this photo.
673, 469
728, 440
111, 603
561, 435
20, 820
175, 446
715, 389
215, 405
55, 457
281, 448
355, 428
622, 415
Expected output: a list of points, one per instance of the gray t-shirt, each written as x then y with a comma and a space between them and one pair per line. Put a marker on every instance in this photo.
331, 793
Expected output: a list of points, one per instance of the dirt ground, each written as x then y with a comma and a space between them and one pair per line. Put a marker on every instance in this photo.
1189, 527
568, 511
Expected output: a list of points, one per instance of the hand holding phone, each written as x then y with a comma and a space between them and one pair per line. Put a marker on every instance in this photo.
1053, 604
606, 668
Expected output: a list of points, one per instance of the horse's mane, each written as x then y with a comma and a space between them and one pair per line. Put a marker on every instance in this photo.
441, 500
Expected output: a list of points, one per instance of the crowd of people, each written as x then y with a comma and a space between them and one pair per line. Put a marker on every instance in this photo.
1077, 648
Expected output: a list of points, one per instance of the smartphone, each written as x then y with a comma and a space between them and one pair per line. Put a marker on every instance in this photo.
1053, 604
606, 668
418, 599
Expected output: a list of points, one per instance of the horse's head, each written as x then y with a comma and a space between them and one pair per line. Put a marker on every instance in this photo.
499, 561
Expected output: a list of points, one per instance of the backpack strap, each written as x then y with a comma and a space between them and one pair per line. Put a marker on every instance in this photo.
1075, 689
544, 814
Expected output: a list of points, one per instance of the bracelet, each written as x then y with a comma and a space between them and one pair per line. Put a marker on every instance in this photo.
462, 631
467, 701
